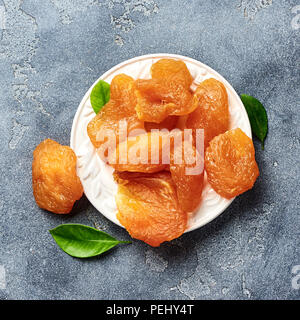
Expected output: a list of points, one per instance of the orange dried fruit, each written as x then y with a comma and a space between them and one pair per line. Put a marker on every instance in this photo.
211, 110
122, 91
157, 151
230, 163
105, 129
167, 93
187, 175
170, 70
56, 185
169, 123
141, 153
148, 207
181, 123
151, 110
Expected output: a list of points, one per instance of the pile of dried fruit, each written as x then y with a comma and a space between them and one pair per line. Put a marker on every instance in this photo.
154, 196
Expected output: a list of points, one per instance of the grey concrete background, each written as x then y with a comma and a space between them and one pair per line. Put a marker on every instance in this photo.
51, 51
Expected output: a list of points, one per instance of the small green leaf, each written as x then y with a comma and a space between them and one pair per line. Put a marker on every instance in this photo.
100, 95
82, 241
257, 116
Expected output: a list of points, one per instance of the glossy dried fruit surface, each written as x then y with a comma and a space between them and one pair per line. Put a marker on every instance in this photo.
211, 109
141, 153
105, 128
167, 93
169, 123
230, 163
170, 70
56, 185
187, 175
148, 207
156, 151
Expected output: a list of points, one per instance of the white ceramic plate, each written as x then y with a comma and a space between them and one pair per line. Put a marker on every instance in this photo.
96, 177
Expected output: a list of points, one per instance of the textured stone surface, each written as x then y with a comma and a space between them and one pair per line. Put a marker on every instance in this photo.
51, 51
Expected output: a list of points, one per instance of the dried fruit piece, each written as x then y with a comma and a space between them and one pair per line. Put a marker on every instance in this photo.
171, 70
230, 163
56, 185
211, 110
151, 110
167, 93
169, 123
187, 175
141, 153
122, 90
105, 129
157, 151
171, 153
148, 207
181, 123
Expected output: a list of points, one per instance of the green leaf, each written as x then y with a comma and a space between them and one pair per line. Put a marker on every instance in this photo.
100, 95
257, 116
82, 241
